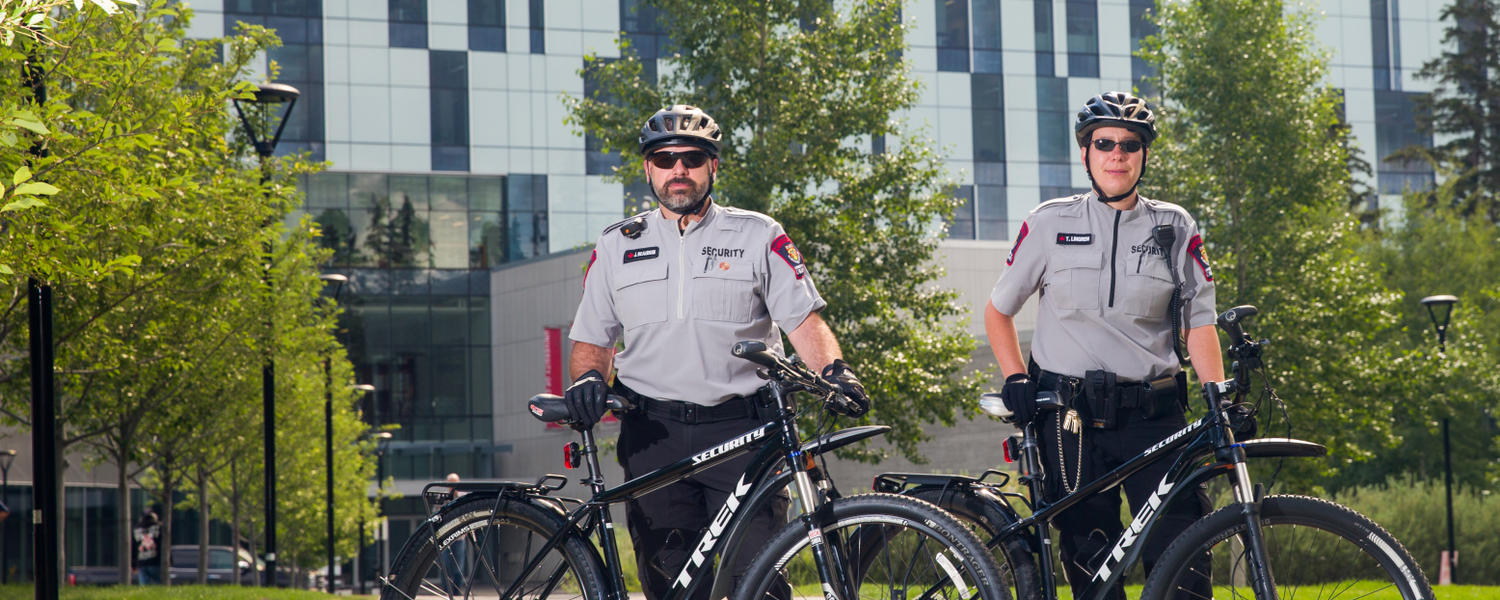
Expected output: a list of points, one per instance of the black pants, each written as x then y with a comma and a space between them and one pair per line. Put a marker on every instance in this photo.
1089, 529
666, 524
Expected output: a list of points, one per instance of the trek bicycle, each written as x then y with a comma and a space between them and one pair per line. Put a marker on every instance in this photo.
519, 541
1250, 541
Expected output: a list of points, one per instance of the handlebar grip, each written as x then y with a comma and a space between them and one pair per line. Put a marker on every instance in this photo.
1231, 319
756, 352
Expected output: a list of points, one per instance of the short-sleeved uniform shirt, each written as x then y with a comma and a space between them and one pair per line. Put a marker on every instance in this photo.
682, 300
1104, 285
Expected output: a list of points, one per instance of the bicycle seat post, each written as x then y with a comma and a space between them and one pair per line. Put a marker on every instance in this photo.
590, 453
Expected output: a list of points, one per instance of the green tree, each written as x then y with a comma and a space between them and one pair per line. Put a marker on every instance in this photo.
1252, 145
800, 89
1435, 249
154, 243
1464, 107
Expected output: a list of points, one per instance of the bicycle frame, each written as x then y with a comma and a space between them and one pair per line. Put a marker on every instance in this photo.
781, 455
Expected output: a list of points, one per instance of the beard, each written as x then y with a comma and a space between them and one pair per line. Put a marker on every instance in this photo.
680, 200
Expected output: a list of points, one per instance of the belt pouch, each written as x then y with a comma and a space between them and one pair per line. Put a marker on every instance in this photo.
1101, 399
1182, 391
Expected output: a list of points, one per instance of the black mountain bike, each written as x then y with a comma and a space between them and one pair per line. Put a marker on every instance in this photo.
514, 541
1259, 544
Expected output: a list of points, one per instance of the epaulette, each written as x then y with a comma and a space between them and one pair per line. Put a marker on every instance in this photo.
740, 213
1059, 202
1164, 206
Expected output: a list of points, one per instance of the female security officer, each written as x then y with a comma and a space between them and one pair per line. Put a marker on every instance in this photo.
1119, 275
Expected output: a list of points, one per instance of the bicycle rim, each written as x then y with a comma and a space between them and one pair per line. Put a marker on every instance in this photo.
477, 552
1317, 550
885, 553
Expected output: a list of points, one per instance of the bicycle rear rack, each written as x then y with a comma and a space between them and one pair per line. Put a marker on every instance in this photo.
439, 493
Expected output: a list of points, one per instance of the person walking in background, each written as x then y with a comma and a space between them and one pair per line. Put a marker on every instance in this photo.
145, 556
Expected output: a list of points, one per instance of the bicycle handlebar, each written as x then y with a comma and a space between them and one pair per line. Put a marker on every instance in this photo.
781, 369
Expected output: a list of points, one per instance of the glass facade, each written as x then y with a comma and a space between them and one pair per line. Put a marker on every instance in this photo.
1141, 27
1380, 44
1041, 26
417, 250
1083, 38
448, 88
407, 21
952, 21
538, 26
300, 26
1396, 128
1055, 145
487, 25
988, 57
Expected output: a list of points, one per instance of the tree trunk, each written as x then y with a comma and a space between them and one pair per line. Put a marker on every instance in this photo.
165, 544
234, 519
123, 522
202, 526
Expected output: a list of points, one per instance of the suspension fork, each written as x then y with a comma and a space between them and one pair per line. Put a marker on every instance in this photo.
836, 580
1244, 494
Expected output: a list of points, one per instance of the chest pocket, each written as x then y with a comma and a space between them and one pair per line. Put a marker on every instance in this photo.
1073, 281
641, 293
725, 294
1148, 288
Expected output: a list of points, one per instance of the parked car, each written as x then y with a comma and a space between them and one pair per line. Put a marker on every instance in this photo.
94, 576
223, 561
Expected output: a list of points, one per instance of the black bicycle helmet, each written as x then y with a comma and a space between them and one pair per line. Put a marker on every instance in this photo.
1119, 109
680, 124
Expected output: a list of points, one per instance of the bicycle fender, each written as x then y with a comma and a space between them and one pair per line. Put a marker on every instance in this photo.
1263, 447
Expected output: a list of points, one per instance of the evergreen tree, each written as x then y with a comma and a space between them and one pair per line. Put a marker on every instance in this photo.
1464, 107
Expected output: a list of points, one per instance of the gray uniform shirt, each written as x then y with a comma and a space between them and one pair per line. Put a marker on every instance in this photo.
1104, 285
681, 301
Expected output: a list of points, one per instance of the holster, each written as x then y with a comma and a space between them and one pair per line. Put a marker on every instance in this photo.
1101, 405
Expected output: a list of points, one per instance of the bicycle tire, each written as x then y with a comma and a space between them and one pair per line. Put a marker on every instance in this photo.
1018, 569
1316, 549
481, 543
899, 544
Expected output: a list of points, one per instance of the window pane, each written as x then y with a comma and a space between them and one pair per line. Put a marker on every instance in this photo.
450, 240
449, 193
486, 240
409, 188
485, 193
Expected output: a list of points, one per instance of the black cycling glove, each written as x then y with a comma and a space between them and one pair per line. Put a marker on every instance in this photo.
1019, 395
585, 398
840, 375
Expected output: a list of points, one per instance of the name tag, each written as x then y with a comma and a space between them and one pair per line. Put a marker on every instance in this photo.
1075, 239
636, 254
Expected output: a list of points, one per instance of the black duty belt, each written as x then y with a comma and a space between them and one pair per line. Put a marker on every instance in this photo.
734, 408
1131, 394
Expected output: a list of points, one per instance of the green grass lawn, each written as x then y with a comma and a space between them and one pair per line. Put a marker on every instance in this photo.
176, 592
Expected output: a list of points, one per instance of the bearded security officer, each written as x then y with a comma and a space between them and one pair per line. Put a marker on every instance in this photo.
1119, 276
682, 284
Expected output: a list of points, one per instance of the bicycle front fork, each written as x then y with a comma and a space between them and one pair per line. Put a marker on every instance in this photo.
837, 584
1245, 496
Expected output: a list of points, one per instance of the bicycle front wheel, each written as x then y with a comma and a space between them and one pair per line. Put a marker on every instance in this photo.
884, 547
1315, 549
478, 547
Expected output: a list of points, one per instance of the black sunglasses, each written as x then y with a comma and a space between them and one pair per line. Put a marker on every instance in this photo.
691, 159
1108, 145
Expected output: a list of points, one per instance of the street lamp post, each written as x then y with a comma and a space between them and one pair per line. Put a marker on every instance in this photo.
380, 439
265, 122
1435, 304
6, 457
338, 282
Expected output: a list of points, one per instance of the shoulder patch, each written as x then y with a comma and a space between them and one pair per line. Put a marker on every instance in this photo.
1195, 249
788, 252
1020, 237
593, 256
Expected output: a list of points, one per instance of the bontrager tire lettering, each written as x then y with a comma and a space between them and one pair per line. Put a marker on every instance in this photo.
1348, 543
